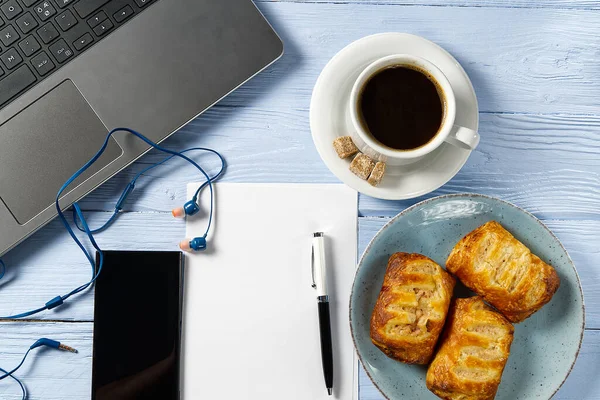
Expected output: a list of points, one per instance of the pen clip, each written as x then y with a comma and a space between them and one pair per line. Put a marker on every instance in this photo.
312, 267
312, 260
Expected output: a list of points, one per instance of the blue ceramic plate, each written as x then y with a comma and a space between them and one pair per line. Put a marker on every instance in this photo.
545, 345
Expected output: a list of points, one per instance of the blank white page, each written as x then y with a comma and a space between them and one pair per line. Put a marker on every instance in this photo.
250, 314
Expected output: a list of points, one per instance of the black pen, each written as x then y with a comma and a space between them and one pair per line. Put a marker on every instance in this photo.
319, 272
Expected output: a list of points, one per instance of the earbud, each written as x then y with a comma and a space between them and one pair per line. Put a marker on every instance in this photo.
189, 208
196, 244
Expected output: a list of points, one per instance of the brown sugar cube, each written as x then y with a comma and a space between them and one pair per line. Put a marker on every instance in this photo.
362, 166
377, 174
344, 146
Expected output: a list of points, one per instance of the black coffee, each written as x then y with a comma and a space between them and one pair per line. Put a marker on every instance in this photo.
401, 108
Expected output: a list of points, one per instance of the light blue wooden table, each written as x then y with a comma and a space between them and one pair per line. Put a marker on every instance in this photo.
535, 65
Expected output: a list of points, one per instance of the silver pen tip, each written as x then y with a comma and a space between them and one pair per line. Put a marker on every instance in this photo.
330, 391
318, 234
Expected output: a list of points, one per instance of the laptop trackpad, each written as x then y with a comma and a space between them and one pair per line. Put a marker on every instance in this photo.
43, 145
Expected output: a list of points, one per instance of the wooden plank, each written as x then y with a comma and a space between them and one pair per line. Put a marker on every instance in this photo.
539, 162
544, 163
549, 164
534, 60
54, 375
566, 4
50, 264
581, 383
48, 374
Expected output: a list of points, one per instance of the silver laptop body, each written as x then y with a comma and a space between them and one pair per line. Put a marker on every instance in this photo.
153, 73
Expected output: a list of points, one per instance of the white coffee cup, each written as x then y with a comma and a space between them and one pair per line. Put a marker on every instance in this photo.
448, 132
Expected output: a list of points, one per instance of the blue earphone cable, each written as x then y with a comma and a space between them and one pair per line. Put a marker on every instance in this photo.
82, 225
59, 300
6, 374
131, 185
23, 391
38, 343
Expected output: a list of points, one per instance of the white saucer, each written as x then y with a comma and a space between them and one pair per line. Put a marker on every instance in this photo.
329, 115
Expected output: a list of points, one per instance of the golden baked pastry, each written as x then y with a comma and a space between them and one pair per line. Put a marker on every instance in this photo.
496, 266
473, 352
411, 309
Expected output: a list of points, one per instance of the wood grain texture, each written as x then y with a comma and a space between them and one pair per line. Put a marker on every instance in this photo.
535, 161
52, 375
534, 66
50, 263
566, 4
549, 164
534, 60
48, 374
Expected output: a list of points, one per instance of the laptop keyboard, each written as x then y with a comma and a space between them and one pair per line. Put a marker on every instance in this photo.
39, 37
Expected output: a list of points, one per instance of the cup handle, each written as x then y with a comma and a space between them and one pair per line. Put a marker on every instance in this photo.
463, 137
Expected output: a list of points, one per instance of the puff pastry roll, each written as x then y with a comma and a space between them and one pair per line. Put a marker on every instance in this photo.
496, 266
411, 309
473, 352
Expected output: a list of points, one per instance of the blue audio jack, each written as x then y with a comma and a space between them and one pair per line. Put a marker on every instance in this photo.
39, 343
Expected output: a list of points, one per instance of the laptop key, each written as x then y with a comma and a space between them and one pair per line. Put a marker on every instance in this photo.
64, 3
19, 80
96, 19
11, 9
83, 42
123, 14
103, 27
85, 7
66, 20
10, 58
42, 63
47, 33
61, 51
29, 45
9, 35
38, 36
45, 10
27, 23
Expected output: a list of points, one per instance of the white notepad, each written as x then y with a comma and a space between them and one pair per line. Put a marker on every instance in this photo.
250, 314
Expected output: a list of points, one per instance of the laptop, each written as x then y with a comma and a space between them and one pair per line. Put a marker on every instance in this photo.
71, 70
